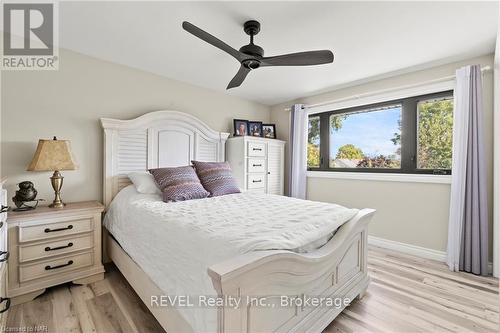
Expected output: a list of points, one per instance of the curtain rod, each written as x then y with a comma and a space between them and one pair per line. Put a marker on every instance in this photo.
442, 79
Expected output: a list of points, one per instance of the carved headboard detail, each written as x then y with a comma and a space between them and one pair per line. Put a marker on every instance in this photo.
156, 139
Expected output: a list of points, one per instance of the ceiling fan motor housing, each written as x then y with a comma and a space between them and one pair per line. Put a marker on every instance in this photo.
253, 50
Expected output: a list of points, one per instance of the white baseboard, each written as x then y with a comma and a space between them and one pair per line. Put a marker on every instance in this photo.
414, 250
408, 248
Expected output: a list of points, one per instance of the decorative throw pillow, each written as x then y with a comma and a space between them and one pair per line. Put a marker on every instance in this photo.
144, 182
216, 177
179, 184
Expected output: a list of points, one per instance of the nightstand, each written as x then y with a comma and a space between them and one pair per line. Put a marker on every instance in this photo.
50, 246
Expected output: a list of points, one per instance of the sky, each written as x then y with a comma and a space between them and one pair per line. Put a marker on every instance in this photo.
370, 131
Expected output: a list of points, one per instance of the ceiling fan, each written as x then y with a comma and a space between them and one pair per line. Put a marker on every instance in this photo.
251, 56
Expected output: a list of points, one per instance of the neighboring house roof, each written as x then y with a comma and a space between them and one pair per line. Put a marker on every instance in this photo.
345, 163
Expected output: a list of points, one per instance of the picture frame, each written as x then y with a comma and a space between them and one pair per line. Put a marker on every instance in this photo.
269, 131
255, 128
240, 127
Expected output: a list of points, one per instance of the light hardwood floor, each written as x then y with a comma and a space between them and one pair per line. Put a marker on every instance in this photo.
406, 294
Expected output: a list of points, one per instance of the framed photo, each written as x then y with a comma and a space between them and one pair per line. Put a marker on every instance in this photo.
269, 131
240, 127
255, 128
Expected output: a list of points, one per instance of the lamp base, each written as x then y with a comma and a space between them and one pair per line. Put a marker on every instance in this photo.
57, 181
57, 204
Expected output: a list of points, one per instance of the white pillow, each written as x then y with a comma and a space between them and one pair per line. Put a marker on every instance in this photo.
144, 182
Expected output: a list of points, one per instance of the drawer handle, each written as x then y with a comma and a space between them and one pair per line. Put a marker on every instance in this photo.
257, 181
257, 165
259, 149
48, 248
69, 227
1, 225
6, 253
48, 268
7, 303
3, 210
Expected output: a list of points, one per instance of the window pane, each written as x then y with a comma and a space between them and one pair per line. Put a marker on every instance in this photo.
313, 159
434, 133
366, 139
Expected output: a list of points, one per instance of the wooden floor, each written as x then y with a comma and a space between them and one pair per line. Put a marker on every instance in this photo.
406, 294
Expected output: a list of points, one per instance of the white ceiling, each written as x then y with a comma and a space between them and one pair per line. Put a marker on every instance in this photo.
367, 38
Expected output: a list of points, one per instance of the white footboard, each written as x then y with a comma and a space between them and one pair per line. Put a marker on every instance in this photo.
261, 278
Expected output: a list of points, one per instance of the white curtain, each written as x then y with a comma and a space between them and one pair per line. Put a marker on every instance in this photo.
468, 225
297, 152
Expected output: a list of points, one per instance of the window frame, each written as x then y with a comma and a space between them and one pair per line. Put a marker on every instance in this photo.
409, 139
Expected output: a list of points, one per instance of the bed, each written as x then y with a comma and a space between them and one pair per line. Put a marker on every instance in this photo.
197, 248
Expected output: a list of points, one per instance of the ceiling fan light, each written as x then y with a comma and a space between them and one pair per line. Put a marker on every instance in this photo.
251, 63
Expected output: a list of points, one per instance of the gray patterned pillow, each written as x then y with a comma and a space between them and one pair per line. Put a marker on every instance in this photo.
216, 177
179, 184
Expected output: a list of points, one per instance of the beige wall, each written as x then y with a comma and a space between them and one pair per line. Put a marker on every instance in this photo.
69, 102
413, 213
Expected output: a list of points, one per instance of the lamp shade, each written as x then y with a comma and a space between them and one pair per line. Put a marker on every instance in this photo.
52, 155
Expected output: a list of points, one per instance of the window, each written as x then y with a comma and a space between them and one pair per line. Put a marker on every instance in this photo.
367, 138
313, 160
411, 135
434, 133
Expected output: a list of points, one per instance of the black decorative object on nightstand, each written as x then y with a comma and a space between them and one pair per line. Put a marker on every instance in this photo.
26, 193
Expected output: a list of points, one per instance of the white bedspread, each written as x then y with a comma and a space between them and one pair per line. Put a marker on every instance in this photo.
175, 243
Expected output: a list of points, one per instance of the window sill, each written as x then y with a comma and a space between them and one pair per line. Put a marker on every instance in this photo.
389, 177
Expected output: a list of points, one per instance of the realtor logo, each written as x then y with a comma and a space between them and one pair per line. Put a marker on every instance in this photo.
29, 36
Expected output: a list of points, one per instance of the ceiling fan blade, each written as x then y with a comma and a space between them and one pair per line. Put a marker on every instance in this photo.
239, 77
299, 59
192, 29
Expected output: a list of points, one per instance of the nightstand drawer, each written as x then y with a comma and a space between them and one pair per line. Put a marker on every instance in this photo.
39, 232
56, 247
256, 181
257, 149
55, 266
256, 165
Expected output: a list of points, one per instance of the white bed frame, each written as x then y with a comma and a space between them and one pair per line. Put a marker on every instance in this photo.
338, 269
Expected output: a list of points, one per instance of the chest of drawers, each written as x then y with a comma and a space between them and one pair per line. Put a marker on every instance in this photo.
4, 256
49, 246
257, 163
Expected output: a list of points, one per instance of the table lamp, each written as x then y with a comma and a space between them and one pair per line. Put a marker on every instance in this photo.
53, 155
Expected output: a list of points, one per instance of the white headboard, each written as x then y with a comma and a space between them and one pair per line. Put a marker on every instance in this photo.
156, 139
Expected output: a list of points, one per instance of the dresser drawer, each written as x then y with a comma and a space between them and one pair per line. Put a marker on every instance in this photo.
55, 266
4, 300
56, 247
256, 181
256, 165
43, 231
257, 190
4, 248
256, 149
3, 202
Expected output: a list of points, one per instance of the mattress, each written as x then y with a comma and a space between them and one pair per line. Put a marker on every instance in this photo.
174, 243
